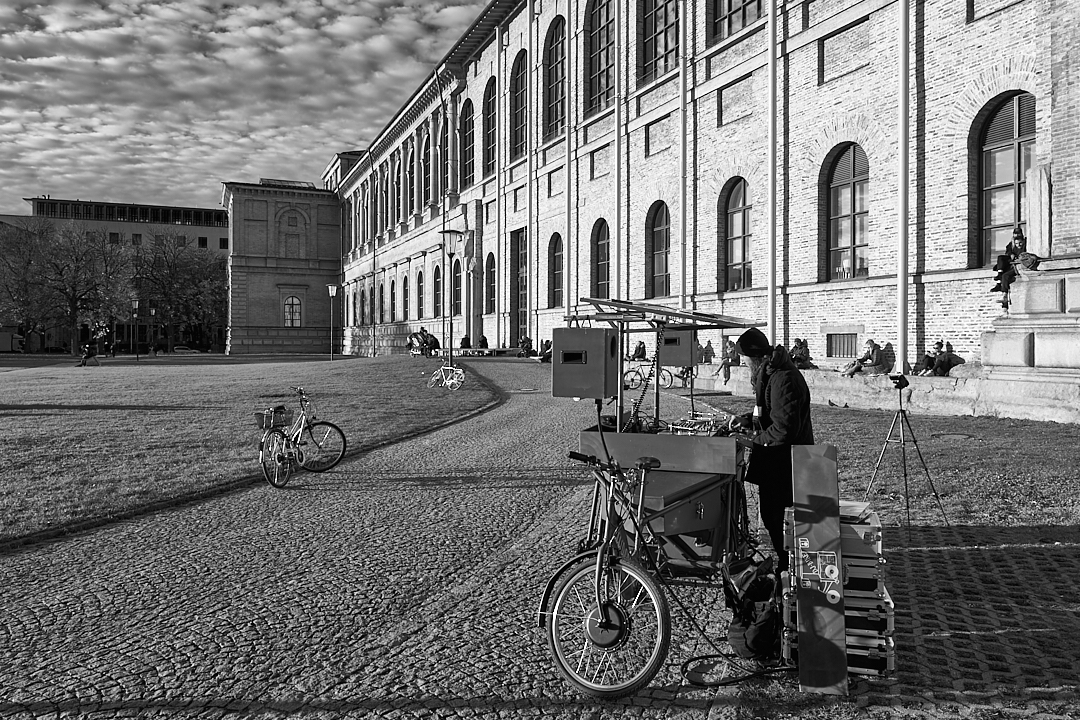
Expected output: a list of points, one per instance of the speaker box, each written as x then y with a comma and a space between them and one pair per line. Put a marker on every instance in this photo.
677, 348
584, 362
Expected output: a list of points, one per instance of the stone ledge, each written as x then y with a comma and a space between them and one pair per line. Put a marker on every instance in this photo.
973, 390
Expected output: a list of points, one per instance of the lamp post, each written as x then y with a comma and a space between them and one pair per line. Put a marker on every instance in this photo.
151, 334
332, 289
449, 246
135, 333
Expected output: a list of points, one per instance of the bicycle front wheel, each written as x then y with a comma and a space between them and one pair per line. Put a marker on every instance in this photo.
666, 378
614, 649
277, 466
435, 379
324, 446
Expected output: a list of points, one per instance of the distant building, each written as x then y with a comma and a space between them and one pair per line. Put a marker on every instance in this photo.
131, 224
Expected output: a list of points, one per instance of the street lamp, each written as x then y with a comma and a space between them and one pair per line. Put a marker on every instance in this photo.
135, 334
332, 289
452, 236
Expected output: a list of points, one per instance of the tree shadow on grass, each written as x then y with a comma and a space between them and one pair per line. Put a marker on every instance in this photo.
121, 408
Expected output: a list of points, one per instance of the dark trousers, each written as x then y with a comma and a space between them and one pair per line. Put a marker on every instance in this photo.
770, 470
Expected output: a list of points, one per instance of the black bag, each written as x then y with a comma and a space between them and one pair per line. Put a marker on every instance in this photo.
750, 591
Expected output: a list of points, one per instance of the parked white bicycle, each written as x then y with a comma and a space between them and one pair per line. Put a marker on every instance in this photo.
449, 375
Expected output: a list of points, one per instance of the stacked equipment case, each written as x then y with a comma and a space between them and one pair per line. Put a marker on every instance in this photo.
869, 615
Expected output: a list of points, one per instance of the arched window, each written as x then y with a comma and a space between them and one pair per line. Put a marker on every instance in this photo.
491, 101
425, 172
600, 283
393, 302
736, 242
392, 194
420, 295
455, 306
519, 107
384, 199
657, 244
292, 312
405, 298
465, 129
363, 307
1007, 146
382, 303
436, 292
730, 16
489, 284
600, 56
555, 271
659, 38
410, 186
555, 79
849, 211
444, 144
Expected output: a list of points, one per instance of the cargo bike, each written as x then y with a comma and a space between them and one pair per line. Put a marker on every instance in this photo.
667, 507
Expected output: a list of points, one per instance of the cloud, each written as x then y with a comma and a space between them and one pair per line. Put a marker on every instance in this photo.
159, 101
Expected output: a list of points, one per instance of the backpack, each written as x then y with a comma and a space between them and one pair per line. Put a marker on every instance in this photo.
750, 592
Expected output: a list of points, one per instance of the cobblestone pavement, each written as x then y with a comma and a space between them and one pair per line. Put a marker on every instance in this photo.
404, 584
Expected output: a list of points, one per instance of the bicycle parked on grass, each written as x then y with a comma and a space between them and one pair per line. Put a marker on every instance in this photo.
450, 376
314, 445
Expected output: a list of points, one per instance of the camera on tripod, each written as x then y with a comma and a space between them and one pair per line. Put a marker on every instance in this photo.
899, 381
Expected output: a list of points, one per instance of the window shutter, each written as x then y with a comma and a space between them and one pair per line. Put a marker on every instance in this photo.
1000, 127
1027, 114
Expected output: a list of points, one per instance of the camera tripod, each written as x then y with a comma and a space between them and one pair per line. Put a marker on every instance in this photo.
901, 419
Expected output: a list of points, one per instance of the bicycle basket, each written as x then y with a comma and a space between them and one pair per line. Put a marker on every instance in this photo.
273, 417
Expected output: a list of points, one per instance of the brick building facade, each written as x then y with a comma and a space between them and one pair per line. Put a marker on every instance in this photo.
573, 148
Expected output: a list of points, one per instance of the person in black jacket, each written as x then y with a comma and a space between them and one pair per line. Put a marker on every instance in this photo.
780, 419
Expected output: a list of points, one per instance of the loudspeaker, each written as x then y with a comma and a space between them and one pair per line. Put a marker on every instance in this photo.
584, 362
678, 348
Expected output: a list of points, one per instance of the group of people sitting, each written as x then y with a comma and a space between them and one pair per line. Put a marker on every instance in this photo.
423, 343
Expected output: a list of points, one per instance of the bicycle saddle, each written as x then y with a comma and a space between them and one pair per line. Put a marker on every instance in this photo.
647, 463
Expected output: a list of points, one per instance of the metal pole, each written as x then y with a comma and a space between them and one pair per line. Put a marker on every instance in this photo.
773, 200
903, 122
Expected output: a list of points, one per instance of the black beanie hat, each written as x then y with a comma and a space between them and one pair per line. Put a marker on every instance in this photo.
753, 343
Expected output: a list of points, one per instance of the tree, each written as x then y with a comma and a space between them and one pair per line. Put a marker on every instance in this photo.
187, 286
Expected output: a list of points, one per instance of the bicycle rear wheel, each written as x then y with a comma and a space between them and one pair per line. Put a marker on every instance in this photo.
324, 446
632, 379
614, 649
666, 378
277, 466
457, 377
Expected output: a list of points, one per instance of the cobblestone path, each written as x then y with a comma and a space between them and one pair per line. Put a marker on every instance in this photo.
402, 584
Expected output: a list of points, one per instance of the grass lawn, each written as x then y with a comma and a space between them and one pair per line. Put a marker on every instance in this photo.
88, 444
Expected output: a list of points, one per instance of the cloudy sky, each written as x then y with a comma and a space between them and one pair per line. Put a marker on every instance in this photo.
159, 101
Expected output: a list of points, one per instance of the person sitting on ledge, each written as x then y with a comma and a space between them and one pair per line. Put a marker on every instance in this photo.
946, 361
800, 355
870, 363
925, 366
482, 343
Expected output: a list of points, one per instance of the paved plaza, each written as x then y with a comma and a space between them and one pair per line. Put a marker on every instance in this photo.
404, 584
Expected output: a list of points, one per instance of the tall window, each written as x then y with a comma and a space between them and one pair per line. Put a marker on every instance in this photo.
737, 245
659, 38
382, 303
555, 79
601, 260
363, 314
849, 210
555, 271
657, 243
731, 16
420, 295
1007, 145
466, 135
444, 155
436, 292
292, 311
393, 302
455, 297
600, 56
489, 284
410, 186
405, 298
519, 107
491, 100
392, 193
425, 171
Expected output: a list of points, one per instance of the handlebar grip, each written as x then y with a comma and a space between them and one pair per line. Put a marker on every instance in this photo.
582, 457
